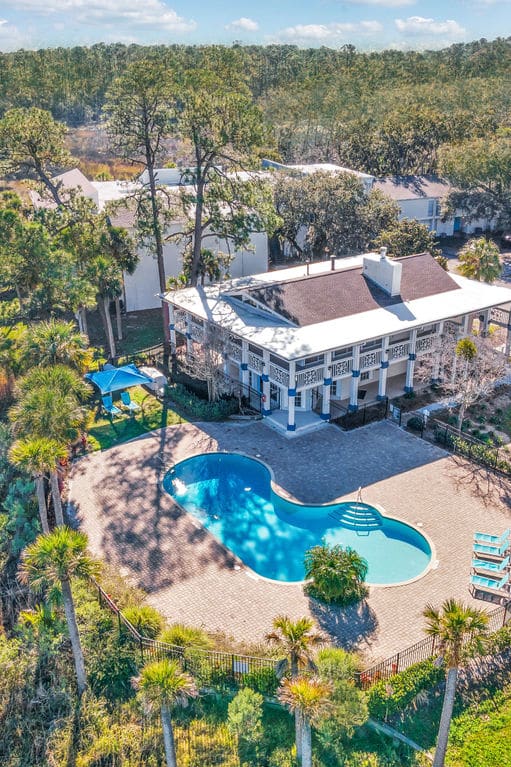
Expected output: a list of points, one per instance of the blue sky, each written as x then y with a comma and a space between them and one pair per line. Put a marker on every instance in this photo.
368, 24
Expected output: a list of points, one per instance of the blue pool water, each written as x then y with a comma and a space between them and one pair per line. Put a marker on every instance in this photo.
232, 497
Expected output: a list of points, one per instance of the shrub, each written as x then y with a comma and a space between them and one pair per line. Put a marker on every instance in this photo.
245, 713
388, 697
186, 636
337, 574
112, 665
415, 423
335, 664
263, 680
199, 408
145, 619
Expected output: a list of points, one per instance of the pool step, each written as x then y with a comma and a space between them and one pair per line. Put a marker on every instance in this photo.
358, 517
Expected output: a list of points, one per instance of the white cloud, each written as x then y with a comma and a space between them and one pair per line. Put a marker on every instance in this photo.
383, 3
329, 32
243, 25
136, 13
11, 38
418, 25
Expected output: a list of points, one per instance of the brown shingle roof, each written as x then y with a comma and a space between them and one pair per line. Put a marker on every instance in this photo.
329, 296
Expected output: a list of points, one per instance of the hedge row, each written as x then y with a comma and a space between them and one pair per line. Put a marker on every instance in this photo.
389, 697
199, 408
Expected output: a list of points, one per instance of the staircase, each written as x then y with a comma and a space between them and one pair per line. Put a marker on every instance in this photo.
358, 516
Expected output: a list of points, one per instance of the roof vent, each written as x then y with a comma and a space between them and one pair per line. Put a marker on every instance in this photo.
383, 271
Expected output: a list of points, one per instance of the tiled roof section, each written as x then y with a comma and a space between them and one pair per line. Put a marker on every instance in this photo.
413, 187
332, 295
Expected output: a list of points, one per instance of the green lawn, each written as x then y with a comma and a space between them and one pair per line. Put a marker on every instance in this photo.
106, 432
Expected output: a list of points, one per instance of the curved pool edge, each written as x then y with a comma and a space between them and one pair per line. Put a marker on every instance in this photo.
279, 490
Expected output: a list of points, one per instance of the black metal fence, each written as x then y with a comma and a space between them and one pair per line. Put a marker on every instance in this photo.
490, 456
211, 668
152, 355
376, 411
423, 650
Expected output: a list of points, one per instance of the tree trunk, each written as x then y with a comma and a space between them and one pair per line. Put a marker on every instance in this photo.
118, 318
41, 502
197, 232
81, 318
461, 417
168, 737
158, 242
104, 310
306, 742
445, 719
55, 494
69, 609
299, 734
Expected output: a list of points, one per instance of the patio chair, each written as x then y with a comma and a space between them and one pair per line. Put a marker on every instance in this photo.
493, 552
492, 540
109, 406
128, 402
495, 568
498, 588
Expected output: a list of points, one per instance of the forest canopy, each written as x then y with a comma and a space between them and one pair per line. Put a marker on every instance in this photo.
385, 112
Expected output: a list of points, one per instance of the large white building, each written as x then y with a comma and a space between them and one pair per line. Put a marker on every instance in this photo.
142, 288
421, 197
328, 336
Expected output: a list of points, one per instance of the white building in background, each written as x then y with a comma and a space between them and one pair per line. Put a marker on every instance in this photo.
421, 197
318, 340
141, 289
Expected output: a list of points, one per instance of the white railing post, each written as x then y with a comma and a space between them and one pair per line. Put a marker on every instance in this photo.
266, 409
355, 375
410, 365
172, 329
384, 366
189, 343
327, 382
291, 396
244, 363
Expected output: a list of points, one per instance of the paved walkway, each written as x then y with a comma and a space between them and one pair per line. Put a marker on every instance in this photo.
133, 524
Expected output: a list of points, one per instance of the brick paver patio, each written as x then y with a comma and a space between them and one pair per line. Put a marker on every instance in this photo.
133, 524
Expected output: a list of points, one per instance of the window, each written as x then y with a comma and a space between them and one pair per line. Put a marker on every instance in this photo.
333, 389
298, 399
371, 345
317, 359
342, 353
431, 207
365, 376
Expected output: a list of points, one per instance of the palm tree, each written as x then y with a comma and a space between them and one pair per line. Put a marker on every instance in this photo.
49, 405
51, 563
307, 699
459, 630
164, 685
297, 641
480, 260
38, 457
55, 342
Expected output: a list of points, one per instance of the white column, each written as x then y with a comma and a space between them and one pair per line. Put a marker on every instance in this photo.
355, 375
189, 343
172, 329
266, 409
485, 322
436, 371
410, 365
291, 394
508, 336
466, 325
384, 366
327, 382
245, 375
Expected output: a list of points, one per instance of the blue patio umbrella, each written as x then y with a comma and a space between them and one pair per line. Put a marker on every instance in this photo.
115, 379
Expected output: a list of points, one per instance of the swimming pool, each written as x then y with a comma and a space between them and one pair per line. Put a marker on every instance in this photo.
232, 496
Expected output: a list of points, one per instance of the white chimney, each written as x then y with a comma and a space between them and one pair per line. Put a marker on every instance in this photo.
383, 271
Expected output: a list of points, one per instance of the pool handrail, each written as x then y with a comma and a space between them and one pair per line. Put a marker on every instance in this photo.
492, 540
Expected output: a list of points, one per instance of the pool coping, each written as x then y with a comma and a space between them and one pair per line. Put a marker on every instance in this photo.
279, 490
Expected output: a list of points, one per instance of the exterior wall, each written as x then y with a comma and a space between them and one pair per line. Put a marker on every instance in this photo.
142, 287
420, 210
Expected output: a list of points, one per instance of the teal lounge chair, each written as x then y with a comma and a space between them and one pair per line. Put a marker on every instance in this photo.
109, 406
497, 552
492, 540
128, 402
489, 584
492, 567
